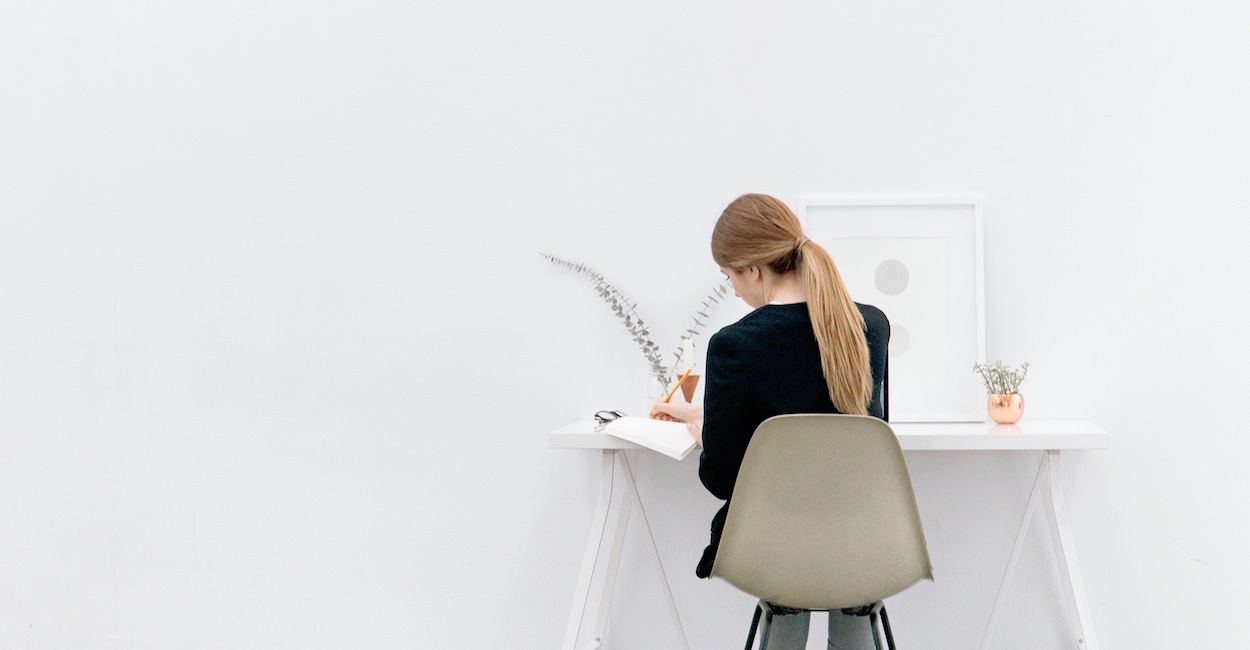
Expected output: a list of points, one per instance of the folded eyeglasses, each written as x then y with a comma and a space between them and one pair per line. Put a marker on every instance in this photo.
604, 417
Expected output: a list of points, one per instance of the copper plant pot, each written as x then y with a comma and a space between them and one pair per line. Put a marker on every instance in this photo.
1006, 408
688, 386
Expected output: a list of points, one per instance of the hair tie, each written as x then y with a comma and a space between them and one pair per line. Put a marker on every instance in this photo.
798, 245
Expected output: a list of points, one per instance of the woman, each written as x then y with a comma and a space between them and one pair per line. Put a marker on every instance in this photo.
806, 348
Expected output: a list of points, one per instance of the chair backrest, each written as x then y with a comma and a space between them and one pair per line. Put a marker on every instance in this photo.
823, 515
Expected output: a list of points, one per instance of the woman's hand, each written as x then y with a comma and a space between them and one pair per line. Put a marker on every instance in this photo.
682, 411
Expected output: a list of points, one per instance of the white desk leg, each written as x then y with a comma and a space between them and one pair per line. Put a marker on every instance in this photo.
1065, 553
614, 562
655, 551
591, 558
1015, 553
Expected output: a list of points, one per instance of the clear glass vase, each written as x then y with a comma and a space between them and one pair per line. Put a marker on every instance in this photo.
656, 391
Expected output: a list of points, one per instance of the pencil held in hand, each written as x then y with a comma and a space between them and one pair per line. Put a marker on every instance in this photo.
679, 383
674, 391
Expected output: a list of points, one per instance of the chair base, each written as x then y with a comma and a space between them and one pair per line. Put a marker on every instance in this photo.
766, 610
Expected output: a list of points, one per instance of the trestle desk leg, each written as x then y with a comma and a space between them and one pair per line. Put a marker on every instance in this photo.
632, 487
614, 561
1015, 552
591, 557
1065, 553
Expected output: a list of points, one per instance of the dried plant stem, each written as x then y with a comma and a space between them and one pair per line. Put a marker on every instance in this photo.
626, 310
707, 305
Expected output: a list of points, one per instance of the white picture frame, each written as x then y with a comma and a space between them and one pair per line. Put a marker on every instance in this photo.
919, 260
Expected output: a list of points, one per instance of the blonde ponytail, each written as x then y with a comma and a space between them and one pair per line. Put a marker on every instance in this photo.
839, 329
757, 229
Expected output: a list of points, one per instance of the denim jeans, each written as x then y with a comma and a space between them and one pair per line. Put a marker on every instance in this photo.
846, 632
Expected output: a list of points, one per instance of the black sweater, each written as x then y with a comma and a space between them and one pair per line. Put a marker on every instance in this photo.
766, 364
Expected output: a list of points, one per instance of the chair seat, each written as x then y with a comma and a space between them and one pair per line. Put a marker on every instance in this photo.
823, 518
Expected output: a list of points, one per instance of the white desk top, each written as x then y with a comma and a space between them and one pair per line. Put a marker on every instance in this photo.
917, 436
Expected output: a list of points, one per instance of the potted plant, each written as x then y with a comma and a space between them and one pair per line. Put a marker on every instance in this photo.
1002, 386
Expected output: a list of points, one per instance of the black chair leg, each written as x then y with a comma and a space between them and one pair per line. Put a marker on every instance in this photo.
755, 622
876, 638
885, 622
767, 628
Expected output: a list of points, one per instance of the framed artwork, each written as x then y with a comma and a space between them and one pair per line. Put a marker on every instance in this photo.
919, 261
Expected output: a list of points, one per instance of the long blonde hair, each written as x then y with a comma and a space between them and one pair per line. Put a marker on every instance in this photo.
759, 230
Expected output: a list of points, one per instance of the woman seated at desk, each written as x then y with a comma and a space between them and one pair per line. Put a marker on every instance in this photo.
806, 348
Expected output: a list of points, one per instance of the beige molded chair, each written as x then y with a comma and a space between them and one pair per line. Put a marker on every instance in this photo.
823, 518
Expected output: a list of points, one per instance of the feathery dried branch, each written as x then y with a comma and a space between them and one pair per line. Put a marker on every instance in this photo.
626, 310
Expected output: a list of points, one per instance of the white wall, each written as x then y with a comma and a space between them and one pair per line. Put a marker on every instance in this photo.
278, 354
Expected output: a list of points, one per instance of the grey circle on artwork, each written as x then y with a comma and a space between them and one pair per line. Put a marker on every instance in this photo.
900, 340
892, 277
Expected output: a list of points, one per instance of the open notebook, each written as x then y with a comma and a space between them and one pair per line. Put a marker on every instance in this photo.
669, 438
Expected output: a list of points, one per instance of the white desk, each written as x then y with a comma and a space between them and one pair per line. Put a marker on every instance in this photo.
1048, 436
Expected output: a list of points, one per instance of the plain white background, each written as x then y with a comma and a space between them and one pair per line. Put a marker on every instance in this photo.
278, 354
